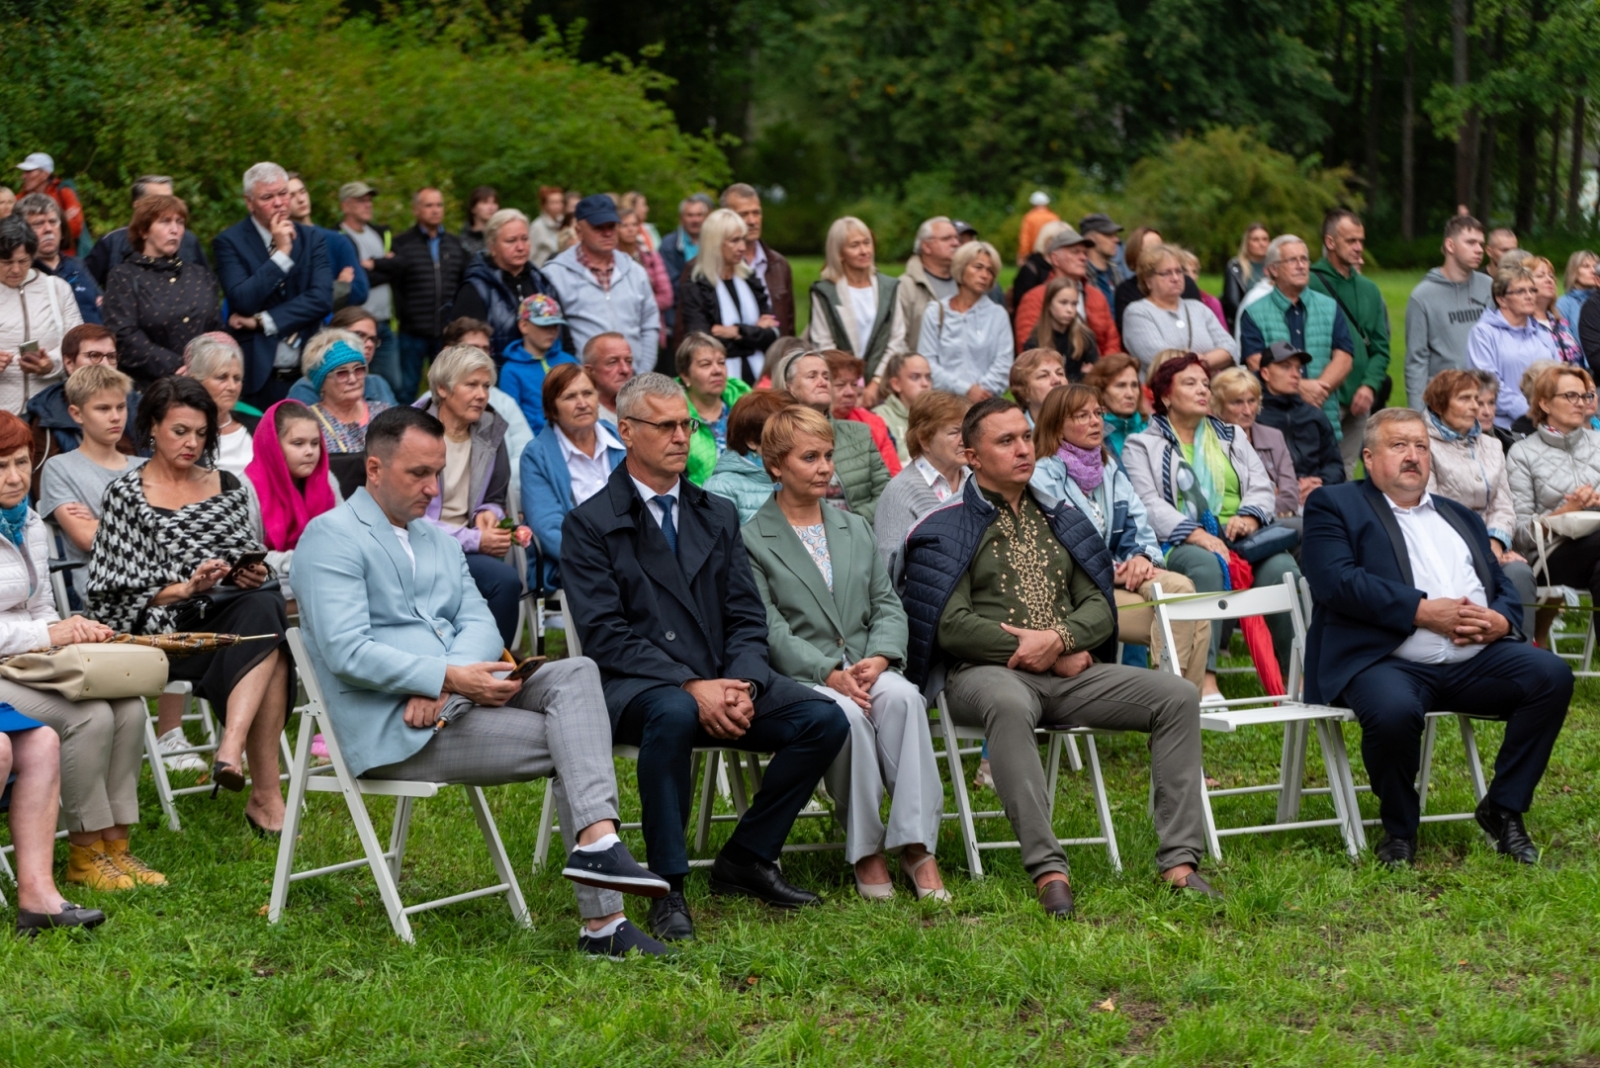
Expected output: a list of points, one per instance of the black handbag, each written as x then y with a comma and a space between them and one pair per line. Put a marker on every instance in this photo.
194, 613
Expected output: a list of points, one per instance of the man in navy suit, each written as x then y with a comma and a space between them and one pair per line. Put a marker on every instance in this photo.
278, 282
664, 601
1414, 614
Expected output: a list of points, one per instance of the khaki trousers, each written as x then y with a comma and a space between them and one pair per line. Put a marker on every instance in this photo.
1137, 626
102, 743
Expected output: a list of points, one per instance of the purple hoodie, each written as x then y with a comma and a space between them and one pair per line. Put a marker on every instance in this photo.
1507, 351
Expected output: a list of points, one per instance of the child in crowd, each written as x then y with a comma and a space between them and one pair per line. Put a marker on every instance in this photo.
529, 359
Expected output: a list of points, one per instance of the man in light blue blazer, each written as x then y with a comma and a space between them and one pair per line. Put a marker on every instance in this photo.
409, 654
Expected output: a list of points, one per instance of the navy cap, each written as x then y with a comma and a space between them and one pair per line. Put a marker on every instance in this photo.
597, 209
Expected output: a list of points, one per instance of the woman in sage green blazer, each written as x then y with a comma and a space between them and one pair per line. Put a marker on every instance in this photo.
835, 622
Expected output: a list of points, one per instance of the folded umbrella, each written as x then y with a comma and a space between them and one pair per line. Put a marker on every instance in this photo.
1256, 636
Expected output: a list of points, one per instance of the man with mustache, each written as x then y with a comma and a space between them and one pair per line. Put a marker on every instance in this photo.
1413, 614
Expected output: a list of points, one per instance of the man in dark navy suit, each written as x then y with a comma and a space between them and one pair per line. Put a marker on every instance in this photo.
1414, 614
664, 601
278, 282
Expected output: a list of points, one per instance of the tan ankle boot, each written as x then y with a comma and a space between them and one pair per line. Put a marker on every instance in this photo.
93, 867
132, 866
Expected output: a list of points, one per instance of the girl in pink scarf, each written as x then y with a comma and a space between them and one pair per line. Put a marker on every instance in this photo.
290, 474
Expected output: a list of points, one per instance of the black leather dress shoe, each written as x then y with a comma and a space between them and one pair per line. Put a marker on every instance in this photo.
1195, 883
762, 881
31, 923
1055, 898
1395, 852
669, 918
1507, 830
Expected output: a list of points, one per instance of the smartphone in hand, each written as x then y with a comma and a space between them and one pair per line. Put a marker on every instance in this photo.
247, 560
526, 668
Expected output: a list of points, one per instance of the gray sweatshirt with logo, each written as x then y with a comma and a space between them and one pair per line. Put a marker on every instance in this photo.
1439, 316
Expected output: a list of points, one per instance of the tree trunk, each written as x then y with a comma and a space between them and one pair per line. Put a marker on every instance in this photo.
1490, 133
1575, 173
1553, 186
1527, 168
1375, 77
1467, 136
1408, 132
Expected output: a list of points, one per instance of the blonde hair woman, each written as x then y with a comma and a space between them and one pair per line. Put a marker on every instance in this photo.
966, 338
852, 306
720, 296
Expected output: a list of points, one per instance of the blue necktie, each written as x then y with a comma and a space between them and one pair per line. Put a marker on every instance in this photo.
668, 529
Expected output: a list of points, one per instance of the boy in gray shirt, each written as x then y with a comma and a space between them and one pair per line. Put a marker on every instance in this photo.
1444, 307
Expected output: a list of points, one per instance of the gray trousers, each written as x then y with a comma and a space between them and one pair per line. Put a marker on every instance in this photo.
1522, 577
556, 726
102, 744
1009, 704
892, 748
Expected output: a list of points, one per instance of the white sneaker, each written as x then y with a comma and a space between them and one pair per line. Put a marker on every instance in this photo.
1212, 699
173, 741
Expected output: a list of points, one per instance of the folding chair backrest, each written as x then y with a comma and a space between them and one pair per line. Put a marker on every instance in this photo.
1230, 604
574, 644
308, 675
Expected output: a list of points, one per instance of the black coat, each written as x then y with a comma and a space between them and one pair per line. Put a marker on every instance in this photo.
423, 289
1035, 271
1355, 558
156, 307
115, 247
1312, 446
699, 309
1588, 330
650, 619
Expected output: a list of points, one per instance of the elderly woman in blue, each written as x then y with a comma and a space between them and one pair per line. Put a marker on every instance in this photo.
1075, 465
570, 461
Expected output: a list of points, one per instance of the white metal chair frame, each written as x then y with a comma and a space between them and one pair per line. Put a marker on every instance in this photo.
713, 762
1582, 661
1057, 740
1293, 714
384, 863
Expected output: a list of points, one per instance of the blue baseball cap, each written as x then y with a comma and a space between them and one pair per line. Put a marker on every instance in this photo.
597, 209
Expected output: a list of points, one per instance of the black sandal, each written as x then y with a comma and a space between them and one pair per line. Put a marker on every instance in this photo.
226, 775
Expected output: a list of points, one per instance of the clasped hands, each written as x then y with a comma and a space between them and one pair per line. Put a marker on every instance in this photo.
1463, 622
726, 707
480, 683
1041, 651
1582, 499
856, 681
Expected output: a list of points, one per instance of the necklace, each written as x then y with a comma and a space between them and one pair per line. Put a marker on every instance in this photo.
228, 421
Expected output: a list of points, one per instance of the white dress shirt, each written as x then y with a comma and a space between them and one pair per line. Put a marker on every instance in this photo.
938, 483
405, 543
1441, 566
648, 495
287, 355
589, 473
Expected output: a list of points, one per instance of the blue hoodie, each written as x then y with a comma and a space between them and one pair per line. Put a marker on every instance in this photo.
1506, 351
522, 378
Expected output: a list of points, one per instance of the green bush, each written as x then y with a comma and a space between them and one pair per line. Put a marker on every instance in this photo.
445, 94
1203, 191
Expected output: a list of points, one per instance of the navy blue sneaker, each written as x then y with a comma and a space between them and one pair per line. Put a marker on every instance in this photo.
627, 938
614, 869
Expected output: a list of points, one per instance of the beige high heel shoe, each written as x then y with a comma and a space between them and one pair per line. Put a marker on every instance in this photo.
874, 891
922, 892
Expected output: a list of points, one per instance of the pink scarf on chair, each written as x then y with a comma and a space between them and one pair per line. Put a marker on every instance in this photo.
285, 507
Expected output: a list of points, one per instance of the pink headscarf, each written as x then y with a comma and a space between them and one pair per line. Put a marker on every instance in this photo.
285, 511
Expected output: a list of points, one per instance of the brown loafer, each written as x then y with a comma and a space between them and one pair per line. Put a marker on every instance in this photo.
1055, 898
1195, 882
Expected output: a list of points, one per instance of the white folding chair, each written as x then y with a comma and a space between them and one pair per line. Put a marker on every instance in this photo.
1583, 660
335, 778
1289, 712
1057, 739
713, 763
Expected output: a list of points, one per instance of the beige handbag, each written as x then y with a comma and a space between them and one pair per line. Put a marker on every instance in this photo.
89, 671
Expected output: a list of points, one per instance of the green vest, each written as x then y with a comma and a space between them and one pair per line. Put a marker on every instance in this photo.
876, 342
1320, 312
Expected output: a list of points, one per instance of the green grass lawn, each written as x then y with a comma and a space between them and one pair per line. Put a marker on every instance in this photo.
1311, 960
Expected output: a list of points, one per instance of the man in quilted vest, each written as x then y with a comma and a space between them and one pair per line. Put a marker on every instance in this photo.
1013, 596
1306, 319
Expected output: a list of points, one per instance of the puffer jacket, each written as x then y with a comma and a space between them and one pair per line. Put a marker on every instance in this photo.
42, 309
703, 451
1123, 523
1470, 469
859, 465
940, 549
742, 480
499, 302
1542, 469
1153, 458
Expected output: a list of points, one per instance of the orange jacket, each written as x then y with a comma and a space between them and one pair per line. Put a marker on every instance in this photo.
1031, 222
1097, 311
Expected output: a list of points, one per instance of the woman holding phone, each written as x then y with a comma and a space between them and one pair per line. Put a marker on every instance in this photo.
172, 532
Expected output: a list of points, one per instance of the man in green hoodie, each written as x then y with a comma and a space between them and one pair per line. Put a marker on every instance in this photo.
1338, 274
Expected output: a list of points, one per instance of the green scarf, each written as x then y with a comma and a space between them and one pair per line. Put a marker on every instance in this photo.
1211, 466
